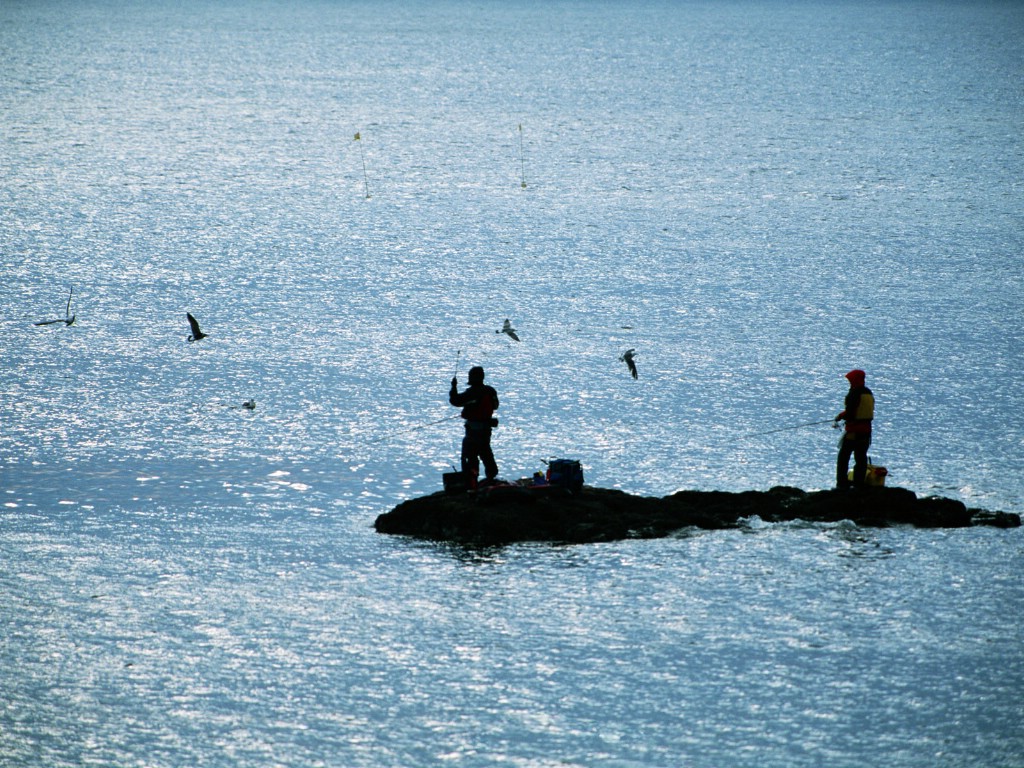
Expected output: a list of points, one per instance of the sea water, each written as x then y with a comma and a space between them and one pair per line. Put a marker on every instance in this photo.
756, 197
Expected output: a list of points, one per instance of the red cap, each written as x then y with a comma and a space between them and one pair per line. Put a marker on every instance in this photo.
856, 377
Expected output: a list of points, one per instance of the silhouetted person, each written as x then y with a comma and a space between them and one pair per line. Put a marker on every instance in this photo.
858, 413
478, 403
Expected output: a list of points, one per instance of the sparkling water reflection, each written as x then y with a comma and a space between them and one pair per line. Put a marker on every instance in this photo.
756, 198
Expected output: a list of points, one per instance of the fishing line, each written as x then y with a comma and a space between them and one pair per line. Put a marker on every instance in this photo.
417, 428
786, 429
406, 430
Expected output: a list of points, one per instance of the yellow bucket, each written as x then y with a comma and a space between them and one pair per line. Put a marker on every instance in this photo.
874, 476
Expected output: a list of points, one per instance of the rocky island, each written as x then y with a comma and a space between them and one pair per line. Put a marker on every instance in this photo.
506, 514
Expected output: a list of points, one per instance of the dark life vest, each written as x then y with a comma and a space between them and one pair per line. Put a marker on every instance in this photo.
479, 402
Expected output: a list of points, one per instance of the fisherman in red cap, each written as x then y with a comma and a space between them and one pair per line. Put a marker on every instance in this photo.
858, 413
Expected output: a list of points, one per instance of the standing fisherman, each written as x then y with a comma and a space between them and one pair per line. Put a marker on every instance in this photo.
478, 403
858, 413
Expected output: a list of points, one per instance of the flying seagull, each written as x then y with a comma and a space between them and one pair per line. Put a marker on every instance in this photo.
627, 358
69, 319
508, 330
194, 324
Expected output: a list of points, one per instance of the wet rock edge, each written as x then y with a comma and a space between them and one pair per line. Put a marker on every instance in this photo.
510, 514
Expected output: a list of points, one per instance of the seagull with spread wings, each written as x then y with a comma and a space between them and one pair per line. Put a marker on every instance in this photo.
508, 330
627, 358
196, 334
69, 319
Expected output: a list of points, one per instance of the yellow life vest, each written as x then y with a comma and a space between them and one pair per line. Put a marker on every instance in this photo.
865, 408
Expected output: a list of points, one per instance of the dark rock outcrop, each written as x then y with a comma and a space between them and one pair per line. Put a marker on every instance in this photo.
508, 513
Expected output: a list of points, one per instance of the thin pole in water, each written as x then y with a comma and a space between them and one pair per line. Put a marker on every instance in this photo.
366, 181
522, 161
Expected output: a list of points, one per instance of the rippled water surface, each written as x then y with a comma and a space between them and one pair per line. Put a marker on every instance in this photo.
755, 196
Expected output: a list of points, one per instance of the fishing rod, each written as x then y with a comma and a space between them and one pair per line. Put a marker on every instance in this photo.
786, 429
